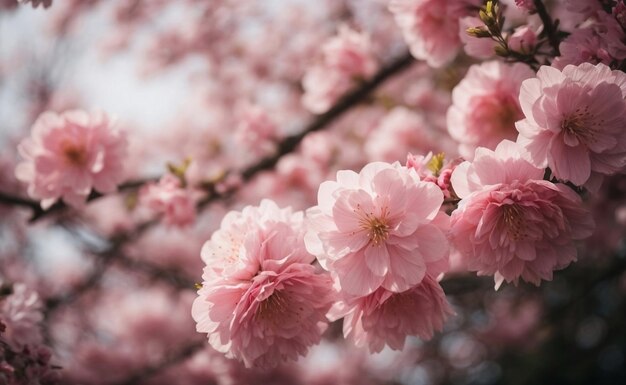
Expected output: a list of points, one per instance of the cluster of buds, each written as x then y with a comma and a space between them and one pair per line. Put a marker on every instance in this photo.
493, 19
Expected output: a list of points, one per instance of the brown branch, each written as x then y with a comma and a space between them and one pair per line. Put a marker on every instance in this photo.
288, 145
60, 205
550, 28
12, 200
349, 100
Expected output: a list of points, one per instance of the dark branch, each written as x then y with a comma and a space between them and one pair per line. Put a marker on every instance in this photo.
60, 205
550, 28
12, 200
287, 145
349, 100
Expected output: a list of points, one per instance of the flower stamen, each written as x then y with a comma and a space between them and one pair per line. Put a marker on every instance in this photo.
73, 154
376, 227
514, 221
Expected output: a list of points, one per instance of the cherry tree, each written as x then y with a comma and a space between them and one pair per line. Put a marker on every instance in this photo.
331, 192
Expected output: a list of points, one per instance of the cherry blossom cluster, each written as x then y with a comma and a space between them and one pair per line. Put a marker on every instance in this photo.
24, 359
495, 146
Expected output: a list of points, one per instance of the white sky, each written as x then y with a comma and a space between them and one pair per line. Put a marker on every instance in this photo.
112, 84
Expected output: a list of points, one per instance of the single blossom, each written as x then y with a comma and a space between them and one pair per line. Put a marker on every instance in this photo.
70, 153
346, 58
512, 224
23, 358
399, 132
485, 105
601, 41
575, 121
20, 313
256, 132
387, 318
380, 227
431, 27
262, 301
169, 197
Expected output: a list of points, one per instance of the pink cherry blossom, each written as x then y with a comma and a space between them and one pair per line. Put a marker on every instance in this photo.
524, 39
574, 121
527, 5
485, 105
380, 227
20, 313
262, 301
387, 318
478, 47
399, 132
601, 41
431, 27
434, 169
584, 7
168, 197
232, 249
70, 153
256, 132
512, 224
345, 58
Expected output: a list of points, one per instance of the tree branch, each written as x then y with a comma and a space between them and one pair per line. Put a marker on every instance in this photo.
349, 100
550, 28
289, 144
12, 200
286, 146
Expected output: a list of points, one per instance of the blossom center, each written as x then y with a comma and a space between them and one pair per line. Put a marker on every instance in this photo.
507, 115
272, 308
74, 154
514, 221
579, 124
377, 228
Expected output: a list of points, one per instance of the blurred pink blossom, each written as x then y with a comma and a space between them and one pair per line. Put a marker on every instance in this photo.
170, 198
346, 58
527, 5
399, 132
20, 312
70, 153
600, 41
431, 27
485, 105
256, 132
